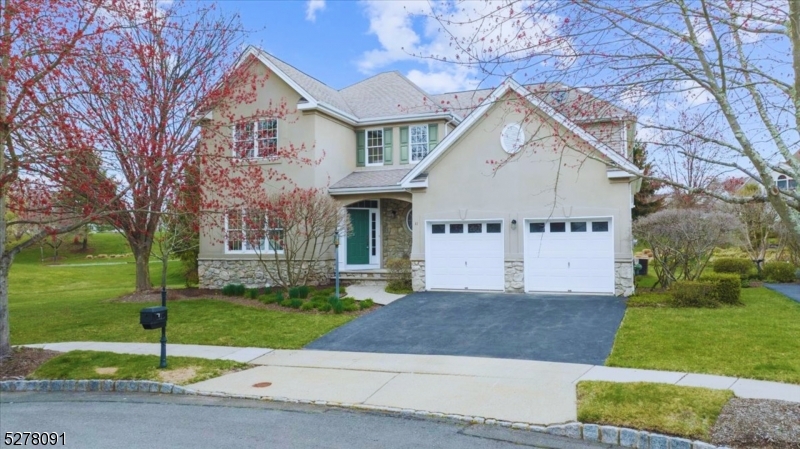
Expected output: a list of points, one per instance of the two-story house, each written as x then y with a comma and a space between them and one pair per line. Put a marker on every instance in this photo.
418, 176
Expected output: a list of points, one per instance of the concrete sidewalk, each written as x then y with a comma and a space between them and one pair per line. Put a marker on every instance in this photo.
503, 389
377, 293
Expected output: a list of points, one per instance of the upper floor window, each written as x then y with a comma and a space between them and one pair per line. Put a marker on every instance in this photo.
256, 139
375, 147
251, 231
785, 183
419, 142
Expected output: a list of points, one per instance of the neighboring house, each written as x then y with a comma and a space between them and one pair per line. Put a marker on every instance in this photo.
412, 170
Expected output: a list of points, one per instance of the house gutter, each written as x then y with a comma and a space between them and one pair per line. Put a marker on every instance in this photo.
359, 190
355, 121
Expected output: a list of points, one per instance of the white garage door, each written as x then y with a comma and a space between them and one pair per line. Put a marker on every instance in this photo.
569, 255
465, 255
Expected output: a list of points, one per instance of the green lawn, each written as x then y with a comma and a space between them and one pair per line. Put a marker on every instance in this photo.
91, 365
69, 302
760, 340
683, 411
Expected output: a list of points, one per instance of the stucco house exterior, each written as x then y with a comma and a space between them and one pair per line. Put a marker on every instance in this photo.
415, 173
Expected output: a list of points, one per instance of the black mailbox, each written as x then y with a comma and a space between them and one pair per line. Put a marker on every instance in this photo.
153, 317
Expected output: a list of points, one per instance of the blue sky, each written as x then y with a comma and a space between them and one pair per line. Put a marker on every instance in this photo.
343, 42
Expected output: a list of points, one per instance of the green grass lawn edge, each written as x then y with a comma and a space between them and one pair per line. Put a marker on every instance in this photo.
83, 365
688, 412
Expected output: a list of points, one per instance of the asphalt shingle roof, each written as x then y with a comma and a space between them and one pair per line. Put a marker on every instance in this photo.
371, 178
392, 94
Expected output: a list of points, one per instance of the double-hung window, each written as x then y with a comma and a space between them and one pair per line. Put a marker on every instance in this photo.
251, 231
256, 139
419, 142
375, 147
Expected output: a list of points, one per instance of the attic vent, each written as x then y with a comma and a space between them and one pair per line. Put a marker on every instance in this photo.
302, 100
512, 138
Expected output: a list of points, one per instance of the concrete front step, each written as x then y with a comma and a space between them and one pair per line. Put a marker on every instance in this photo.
366, 277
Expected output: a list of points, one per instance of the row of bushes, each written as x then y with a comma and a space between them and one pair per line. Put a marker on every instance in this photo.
303, 297
746, 269
712, 290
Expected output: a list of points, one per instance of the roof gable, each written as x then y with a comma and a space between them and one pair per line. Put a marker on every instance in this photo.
475, 116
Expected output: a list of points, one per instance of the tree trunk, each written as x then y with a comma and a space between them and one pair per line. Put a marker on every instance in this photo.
5, 334
143, 270
164, 265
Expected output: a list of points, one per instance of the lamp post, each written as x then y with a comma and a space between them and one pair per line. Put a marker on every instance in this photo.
336, 244
163, 362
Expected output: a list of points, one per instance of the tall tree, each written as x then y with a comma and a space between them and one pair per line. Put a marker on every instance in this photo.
158, 75
646, 201
732, 67
39, 41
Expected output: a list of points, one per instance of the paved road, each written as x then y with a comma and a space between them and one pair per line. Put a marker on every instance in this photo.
93, 420
552, 328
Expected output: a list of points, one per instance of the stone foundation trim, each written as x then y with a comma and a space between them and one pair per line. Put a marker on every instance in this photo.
215, 274
589, 432
418, 275
515, 276
623, 278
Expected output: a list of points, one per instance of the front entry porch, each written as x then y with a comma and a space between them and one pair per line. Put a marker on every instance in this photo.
380, 231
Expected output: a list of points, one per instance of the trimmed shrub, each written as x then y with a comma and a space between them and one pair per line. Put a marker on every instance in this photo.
779, 271
693, 294
303, 291
336, 304
366, 304
324, 308
350, 307
727, 286
743, 267
279, 296
294, 292
233, 290
286, 302
295, 303
268, 299
307, 306
252, 293
400, 272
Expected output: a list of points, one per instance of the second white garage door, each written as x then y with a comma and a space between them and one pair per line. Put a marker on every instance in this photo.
575, 255
464, 256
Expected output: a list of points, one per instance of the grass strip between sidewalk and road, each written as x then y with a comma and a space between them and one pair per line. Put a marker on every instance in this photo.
688, 412
113, 366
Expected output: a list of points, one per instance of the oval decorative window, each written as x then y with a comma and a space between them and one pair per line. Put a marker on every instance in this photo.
512, 138
409, 221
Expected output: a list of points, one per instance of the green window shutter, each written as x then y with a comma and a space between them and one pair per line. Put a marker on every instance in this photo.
404, 145
433, 136
361, 148
387, 146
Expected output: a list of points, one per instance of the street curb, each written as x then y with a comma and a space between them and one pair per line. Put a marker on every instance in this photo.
624, 437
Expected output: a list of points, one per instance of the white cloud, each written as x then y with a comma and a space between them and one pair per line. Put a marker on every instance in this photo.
693, 94
312, 7
443, 81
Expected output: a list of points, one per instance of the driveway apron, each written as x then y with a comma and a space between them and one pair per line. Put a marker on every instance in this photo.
555, 328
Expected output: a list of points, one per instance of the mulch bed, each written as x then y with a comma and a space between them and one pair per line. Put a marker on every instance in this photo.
191, 294
24, 361
758, 424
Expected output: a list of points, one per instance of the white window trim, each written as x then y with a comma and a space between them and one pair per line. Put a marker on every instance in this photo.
411, 159
255, 123
366, 148
242, 229
410, 214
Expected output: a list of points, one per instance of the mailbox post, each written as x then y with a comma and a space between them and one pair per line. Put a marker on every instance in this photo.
156, 318
336, 262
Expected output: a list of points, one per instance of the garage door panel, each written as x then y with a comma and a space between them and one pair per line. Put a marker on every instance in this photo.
576, 260
465, 260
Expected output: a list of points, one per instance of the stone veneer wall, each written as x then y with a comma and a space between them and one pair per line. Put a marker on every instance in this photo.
515, 276
219, 273
623, 278
418, 275
396, 238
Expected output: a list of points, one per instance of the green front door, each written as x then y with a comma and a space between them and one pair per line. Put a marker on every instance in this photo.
358, 240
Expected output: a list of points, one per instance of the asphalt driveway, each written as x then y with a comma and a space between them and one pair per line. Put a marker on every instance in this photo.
555, 328
791, 291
